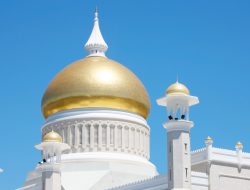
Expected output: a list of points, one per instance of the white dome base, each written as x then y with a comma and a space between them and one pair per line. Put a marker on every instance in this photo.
108, 148
103, 170
97, 171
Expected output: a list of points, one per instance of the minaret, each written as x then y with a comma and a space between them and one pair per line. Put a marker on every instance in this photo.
51, 147
177, 100
96, 46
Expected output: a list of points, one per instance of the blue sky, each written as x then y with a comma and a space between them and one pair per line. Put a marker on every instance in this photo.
207, 43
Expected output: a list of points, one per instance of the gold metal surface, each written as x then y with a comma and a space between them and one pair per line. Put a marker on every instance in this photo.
96, 82
52, 136
177, 88
209, 138
239, 145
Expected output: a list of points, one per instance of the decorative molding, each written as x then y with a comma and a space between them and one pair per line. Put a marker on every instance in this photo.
89, 133
220, 156
95, 113
179, 125
49, 167
160, 182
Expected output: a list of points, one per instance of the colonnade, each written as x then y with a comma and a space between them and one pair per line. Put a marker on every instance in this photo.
103, 135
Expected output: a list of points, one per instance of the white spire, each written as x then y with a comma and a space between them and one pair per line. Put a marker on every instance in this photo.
96, 46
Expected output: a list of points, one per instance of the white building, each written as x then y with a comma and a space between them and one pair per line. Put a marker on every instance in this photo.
96, 134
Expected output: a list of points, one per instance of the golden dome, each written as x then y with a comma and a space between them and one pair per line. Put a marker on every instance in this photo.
96, 82
52, 136
177, 88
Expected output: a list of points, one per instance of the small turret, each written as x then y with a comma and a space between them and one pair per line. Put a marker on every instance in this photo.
177, 101
52, 147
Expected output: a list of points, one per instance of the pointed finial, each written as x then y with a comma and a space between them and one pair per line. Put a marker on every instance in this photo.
96, 46
177, 78
96, 14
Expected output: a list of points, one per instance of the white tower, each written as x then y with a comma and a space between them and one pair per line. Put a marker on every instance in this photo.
177, 100
52, 148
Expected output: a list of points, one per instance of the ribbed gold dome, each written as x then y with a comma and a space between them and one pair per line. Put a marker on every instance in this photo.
177, 88
96, 82
52, 136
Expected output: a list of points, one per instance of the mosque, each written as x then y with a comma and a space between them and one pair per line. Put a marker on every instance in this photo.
96, 134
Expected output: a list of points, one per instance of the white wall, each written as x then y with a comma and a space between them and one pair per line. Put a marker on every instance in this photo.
226, 177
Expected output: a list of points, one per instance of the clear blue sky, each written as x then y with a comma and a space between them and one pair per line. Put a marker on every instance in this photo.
207, 43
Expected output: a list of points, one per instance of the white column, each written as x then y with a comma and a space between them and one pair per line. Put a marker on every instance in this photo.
179, 158
129, 138
175, 111
136, 138
123, 138
144, 143
108, 137
51, 176
148, 145
58, 156
84, 137
116, 137
139, 140
45, 154
100, 136
187, 110
65, 129
92, 136
133, 139
62, 134
69, 137
126, 133
76, 145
